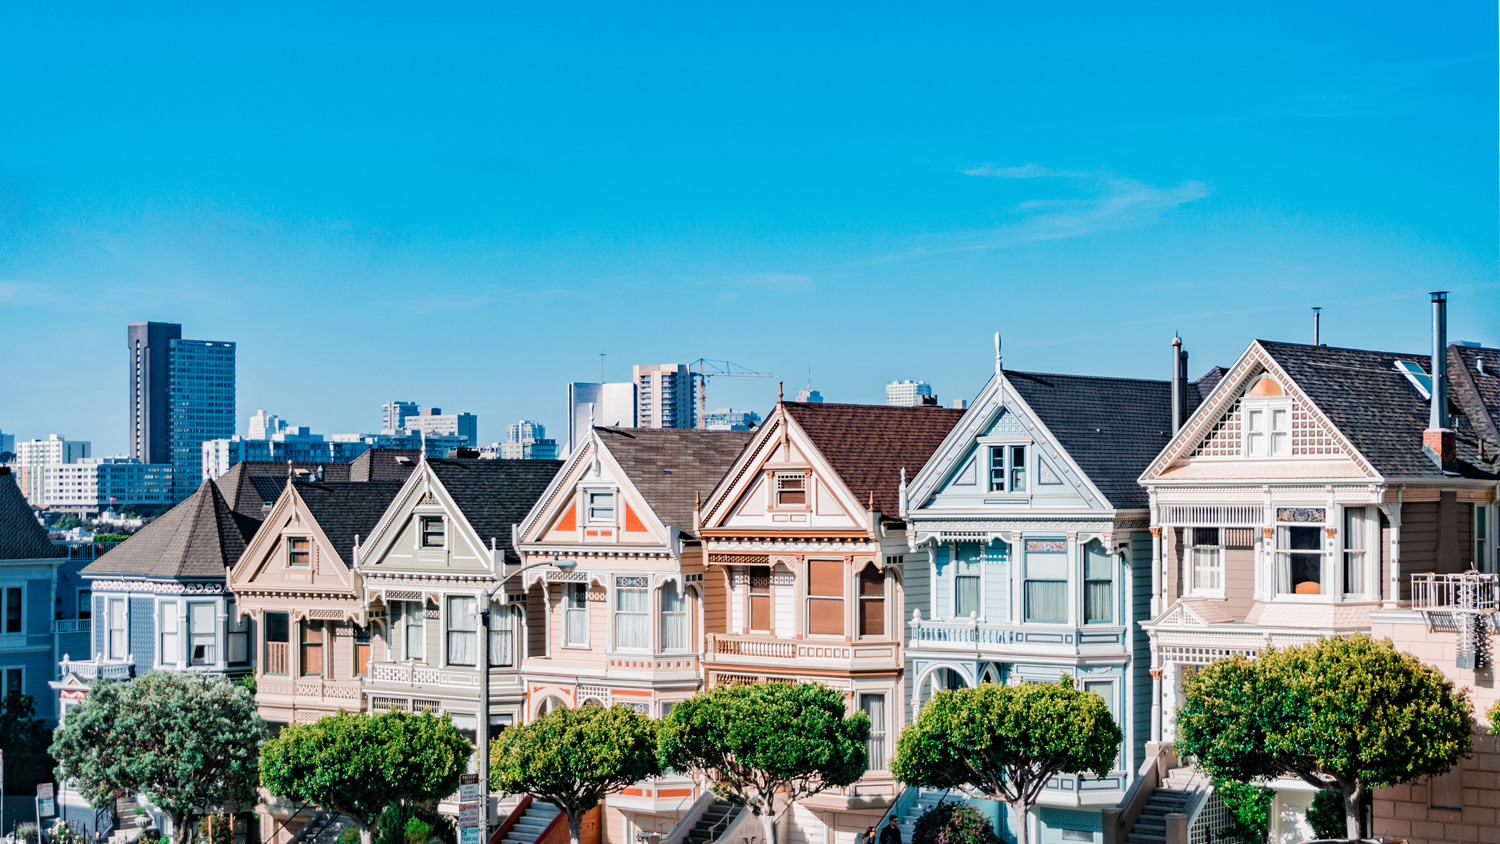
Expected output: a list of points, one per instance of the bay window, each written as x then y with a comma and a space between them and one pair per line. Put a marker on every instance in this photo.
201, 632
825, 597
632, 614
1206, 561
1046, 586
575, 615
871, 602
1098, 584
463, 630
674, 619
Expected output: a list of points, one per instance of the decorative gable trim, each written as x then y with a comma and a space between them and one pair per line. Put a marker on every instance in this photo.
1214, 429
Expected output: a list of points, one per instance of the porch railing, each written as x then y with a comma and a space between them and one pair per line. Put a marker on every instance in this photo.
1466, 592
278, 657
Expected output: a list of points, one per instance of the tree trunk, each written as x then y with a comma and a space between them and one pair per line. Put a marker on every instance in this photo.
182, 829
366, 833
1022, 809
575, 826
1351, 810
768, 827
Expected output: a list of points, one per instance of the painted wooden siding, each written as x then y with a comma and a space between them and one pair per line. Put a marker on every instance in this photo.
1140, 667
1239, 581
716, 600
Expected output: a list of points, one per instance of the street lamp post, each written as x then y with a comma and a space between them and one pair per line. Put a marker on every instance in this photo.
482, 725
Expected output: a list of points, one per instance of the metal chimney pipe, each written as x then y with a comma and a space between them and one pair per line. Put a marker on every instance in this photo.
1437, 419
1176, 383
1317, 313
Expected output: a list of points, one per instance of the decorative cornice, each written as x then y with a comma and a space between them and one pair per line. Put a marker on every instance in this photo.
159, 587
790, 545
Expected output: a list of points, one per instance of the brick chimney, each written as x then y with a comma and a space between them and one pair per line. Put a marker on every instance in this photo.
1437, 440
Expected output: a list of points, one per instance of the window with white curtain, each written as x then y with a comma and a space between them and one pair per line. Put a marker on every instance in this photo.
1299, 559
169, 634
503, 636
632, 614
1358, 527
116, 612
967, 558
674, 619
875, 750
1207, 561
411, 622
575, 615
463, 630
201, 633
1046, 582
1098, 584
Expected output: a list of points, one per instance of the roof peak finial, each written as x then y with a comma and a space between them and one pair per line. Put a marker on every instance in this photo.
779, 391
998, 366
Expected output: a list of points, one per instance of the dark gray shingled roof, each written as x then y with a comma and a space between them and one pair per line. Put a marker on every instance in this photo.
494, 495
671, 466
345, 509
1377, 408
383, 464
1111, 427
246, 496
196, 540
21, 536
1475, 375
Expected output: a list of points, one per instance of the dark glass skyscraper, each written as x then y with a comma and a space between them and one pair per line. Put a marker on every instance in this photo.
181, 394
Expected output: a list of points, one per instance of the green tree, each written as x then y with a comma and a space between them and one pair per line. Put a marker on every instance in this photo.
1007, 741
1325, 814
766, 746
187, 741
571, 758
359, 765
951, 822
1345, 714
1249, 807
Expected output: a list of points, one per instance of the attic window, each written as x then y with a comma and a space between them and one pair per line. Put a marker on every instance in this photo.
432, 532
791, 489
297, 551
1417, 376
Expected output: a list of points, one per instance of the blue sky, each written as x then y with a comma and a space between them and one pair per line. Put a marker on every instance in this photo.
464, 208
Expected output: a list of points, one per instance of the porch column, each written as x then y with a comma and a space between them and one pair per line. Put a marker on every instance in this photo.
1393, 589
1158, 572
1156, 704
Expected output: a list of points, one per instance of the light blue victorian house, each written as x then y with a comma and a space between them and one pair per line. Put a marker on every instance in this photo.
1040, 551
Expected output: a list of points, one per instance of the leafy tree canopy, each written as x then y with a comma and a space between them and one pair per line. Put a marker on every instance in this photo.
187, 741
951, 822
768, 745
1345, 714
358, 765
1007, 741
24, 739
571, 758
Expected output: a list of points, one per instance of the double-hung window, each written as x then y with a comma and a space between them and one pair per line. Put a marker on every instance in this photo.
966, 582
791, 489
434, 532
875, 751
1098, 584
760, 599
1206, 560
85, 604
1046, 584
1358, 540
632, 614
1299, 558
575, 615
311, 649
871, 602
237, 639
502, 636
601, 508
361, 651
1008, 468
463, 630
278, 642
201, 632
298, 551
116, 644
168, 633
13, 609
825, 597
411, 625
674, 619
1268, 429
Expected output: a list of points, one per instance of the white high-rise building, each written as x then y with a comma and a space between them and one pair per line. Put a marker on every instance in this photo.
265, 425
433, 421
607, 405
908, 393
525, 440
663, 396
34, 456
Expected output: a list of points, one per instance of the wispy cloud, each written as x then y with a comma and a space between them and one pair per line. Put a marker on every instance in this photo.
734, 285
1089, 202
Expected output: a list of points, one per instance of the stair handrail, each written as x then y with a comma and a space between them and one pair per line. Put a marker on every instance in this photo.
1159, 757
289, 818
738, 816
721, 828
903, 801
510, 820
304, 831
686, 823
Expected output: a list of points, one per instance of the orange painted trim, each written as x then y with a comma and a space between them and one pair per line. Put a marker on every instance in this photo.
632, 522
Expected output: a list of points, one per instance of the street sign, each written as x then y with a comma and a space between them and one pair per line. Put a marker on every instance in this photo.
45, 808
468, 835
468, 814
468, 792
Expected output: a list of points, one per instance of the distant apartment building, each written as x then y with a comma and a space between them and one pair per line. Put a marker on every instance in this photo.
725, 419
525, 440
393, 414
182, 393
807, 395
92, 485
663, 396
264, 425
909, 394
33, 456
433, 421
296, 444
7, 443
608, 404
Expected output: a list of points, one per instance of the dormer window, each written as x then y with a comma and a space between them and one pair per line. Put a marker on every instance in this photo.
791, 489
601, 508
1268, 420
434, 533
1008, 468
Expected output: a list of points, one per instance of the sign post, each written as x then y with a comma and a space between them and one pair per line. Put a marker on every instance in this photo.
469, 798
46, 806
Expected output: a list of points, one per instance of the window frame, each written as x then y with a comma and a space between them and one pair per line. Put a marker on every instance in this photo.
85, 604
642, 617
408, 625
293, 552
1368, 554
111, 652
1027, 579
305, 643
361, 641
680, 617
16, 671
581, 590
1001, 475
803, 480
593, 513
20, 615
471, 617
236, 632
861, 600
169, 610
502, 649
286, 619
425, 532
1281, 560
750, 598
193, 637
1268, 408
842, 598
1111, 563
1193, 548
879, 730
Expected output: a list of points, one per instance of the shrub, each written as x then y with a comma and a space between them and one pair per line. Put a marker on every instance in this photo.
350, 835
215, 829
1494, 716
395, 822
953, 823
1326, 814
417, 831
1249, 809
29, 833
61, 833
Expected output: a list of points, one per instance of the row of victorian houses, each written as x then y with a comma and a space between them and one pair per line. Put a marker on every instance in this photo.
1121, 532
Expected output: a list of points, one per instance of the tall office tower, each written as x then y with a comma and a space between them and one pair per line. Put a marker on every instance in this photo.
393, 414
34, 456
908, 393
201, 399
663, 396
607, 405
150, 356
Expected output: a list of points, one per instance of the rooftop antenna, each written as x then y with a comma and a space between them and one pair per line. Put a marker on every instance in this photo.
601, 367
1317, 313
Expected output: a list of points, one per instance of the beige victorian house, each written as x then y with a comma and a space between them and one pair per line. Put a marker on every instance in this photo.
805, 542
625, 624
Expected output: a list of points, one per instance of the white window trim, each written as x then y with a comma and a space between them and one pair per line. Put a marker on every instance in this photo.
179, 659
125, 627
1372, 552
775, 491
652, 645
405, 625
1083, 584
587, 510
1008, 443
448, 631
447, 532
1191, 590
21, 585
1273, 552
1267, 405
587, 622
217, 632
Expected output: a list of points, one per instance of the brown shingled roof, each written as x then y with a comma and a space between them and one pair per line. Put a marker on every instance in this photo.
197, 539
671, 466
869, 444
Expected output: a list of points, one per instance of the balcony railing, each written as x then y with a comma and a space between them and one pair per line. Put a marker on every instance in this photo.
969, 634
278, 657
72, 625
1467, 592
771, 652
310, 689
100, 668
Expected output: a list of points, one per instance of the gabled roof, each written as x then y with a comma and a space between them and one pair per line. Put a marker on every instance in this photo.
1377, 409
671, 466
383, 464
1475, 376
1111, 427
346, 509
21, 536
248, 498
494, 495
868, 445
197, 539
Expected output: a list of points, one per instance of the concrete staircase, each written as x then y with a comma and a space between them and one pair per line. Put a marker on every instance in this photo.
530, 826
714, 820
1179, 792
332, 826
907, 823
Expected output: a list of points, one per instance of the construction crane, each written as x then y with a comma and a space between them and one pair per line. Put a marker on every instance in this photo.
703, 369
